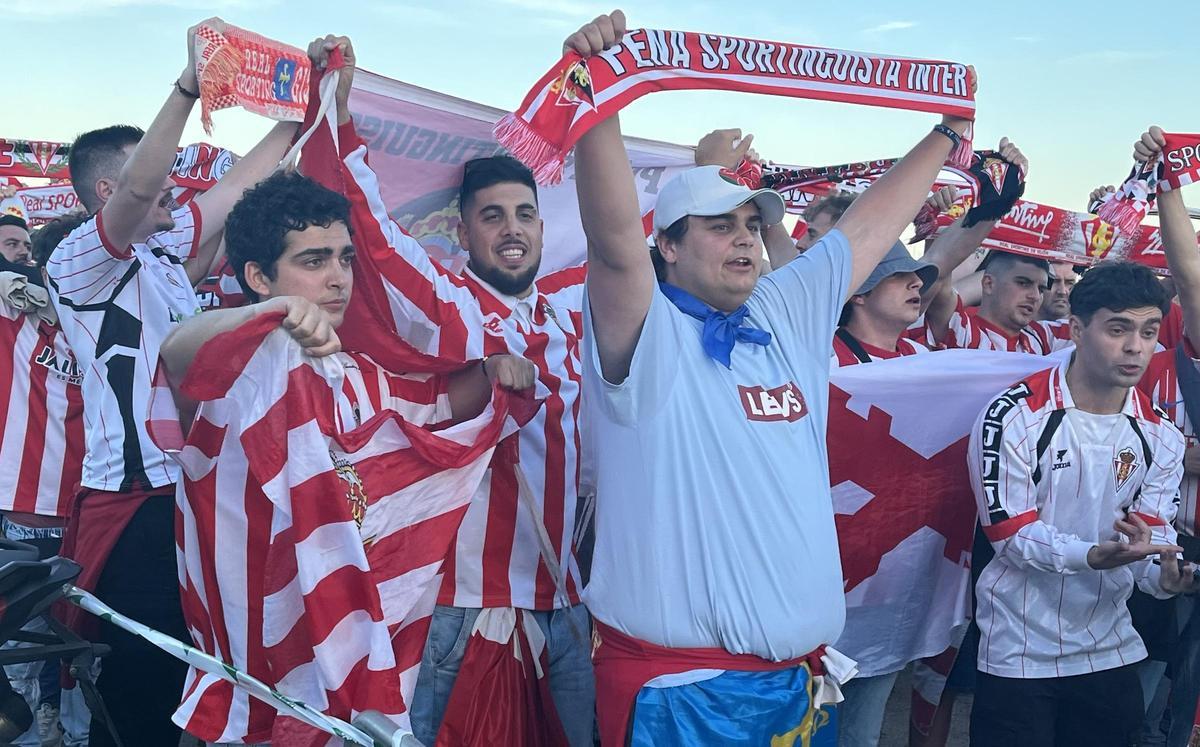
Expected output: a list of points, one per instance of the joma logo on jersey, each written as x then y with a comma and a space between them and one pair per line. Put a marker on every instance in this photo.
993, 431
1060, 460
781, 403
65, 367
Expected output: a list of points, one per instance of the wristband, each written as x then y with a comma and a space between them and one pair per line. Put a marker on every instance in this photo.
185, 92
955, 138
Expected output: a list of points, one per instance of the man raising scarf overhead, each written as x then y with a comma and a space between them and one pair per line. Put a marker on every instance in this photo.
576, 94
716, 584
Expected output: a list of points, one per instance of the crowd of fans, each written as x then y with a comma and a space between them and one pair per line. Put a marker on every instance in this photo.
715, 546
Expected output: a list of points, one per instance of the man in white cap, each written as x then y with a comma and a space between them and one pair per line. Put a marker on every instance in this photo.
716, 584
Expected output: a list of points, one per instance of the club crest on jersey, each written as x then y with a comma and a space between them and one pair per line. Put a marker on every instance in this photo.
356, 492
1124, 465
765, 405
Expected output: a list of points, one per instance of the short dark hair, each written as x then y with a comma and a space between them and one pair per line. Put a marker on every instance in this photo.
996, 260
49, 236
8, 219
675, 232
257, 227
97, 155
1117, 286
481, 173
834, 203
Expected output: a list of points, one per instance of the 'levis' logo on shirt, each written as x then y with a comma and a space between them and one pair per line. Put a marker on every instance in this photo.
781, 403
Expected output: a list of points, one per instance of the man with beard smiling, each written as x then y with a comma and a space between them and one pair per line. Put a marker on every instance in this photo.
515, 547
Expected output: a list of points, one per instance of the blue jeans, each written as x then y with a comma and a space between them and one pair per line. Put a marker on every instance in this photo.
860, 715
572, 685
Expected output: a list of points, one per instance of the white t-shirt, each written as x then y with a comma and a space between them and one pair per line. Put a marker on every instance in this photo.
714, 522
116, 305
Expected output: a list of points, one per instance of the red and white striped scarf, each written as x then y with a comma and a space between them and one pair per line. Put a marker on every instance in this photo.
236, 67
1059, 235
576, 94
1178, 166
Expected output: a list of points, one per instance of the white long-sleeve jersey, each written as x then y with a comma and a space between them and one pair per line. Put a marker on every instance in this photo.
1049, 482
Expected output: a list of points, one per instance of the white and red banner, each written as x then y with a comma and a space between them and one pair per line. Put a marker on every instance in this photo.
419, 140
906, 515
37, 158
197, 168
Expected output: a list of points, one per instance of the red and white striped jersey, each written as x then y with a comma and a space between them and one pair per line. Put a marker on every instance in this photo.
971, 331
496, 561
844, 355
315, 515
220, 290
116, 305
1049, 481
1161, 384
41, 416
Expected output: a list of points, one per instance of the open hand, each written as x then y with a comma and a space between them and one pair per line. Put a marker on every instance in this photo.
1115, 553
722, 148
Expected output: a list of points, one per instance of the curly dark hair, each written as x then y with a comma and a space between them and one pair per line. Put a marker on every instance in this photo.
257, 226
1117, 286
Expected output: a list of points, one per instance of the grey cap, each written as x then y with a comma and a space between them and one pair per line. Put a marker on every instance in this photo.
898, 260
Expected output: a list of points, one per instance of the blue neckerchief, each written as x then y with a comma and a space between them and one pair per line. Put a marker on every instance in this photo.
721, 331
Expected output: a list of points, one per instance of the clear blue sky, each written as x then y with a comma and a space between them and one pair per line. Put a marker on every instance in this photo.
1072, 82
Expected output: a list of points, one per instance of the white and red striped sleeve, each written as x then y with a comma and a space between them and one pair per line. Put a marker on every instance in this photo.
963, 331
432, 309
1001, 458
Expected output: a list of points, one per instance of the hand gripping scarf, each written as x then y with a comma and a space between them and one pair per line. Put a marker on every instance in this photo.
1178, 166
577, 94
236, 67
995, 185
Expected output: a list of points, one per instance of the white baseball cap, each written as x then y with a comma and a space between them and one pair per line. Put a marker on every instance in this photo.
712, 190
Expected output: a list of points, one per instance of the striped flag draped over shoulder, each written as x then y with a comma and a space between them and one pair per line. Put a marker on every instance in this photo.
278, 578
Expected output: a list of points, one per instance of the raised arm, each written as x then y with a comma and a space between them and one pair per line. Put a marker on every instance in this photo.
879, 215
305, 321
728, 148
215, 204
620, 278
141, 182
1178, 236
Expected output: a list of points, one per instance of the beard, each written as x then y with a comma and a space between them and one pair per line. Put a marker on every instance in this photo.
30, 272
508, 283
